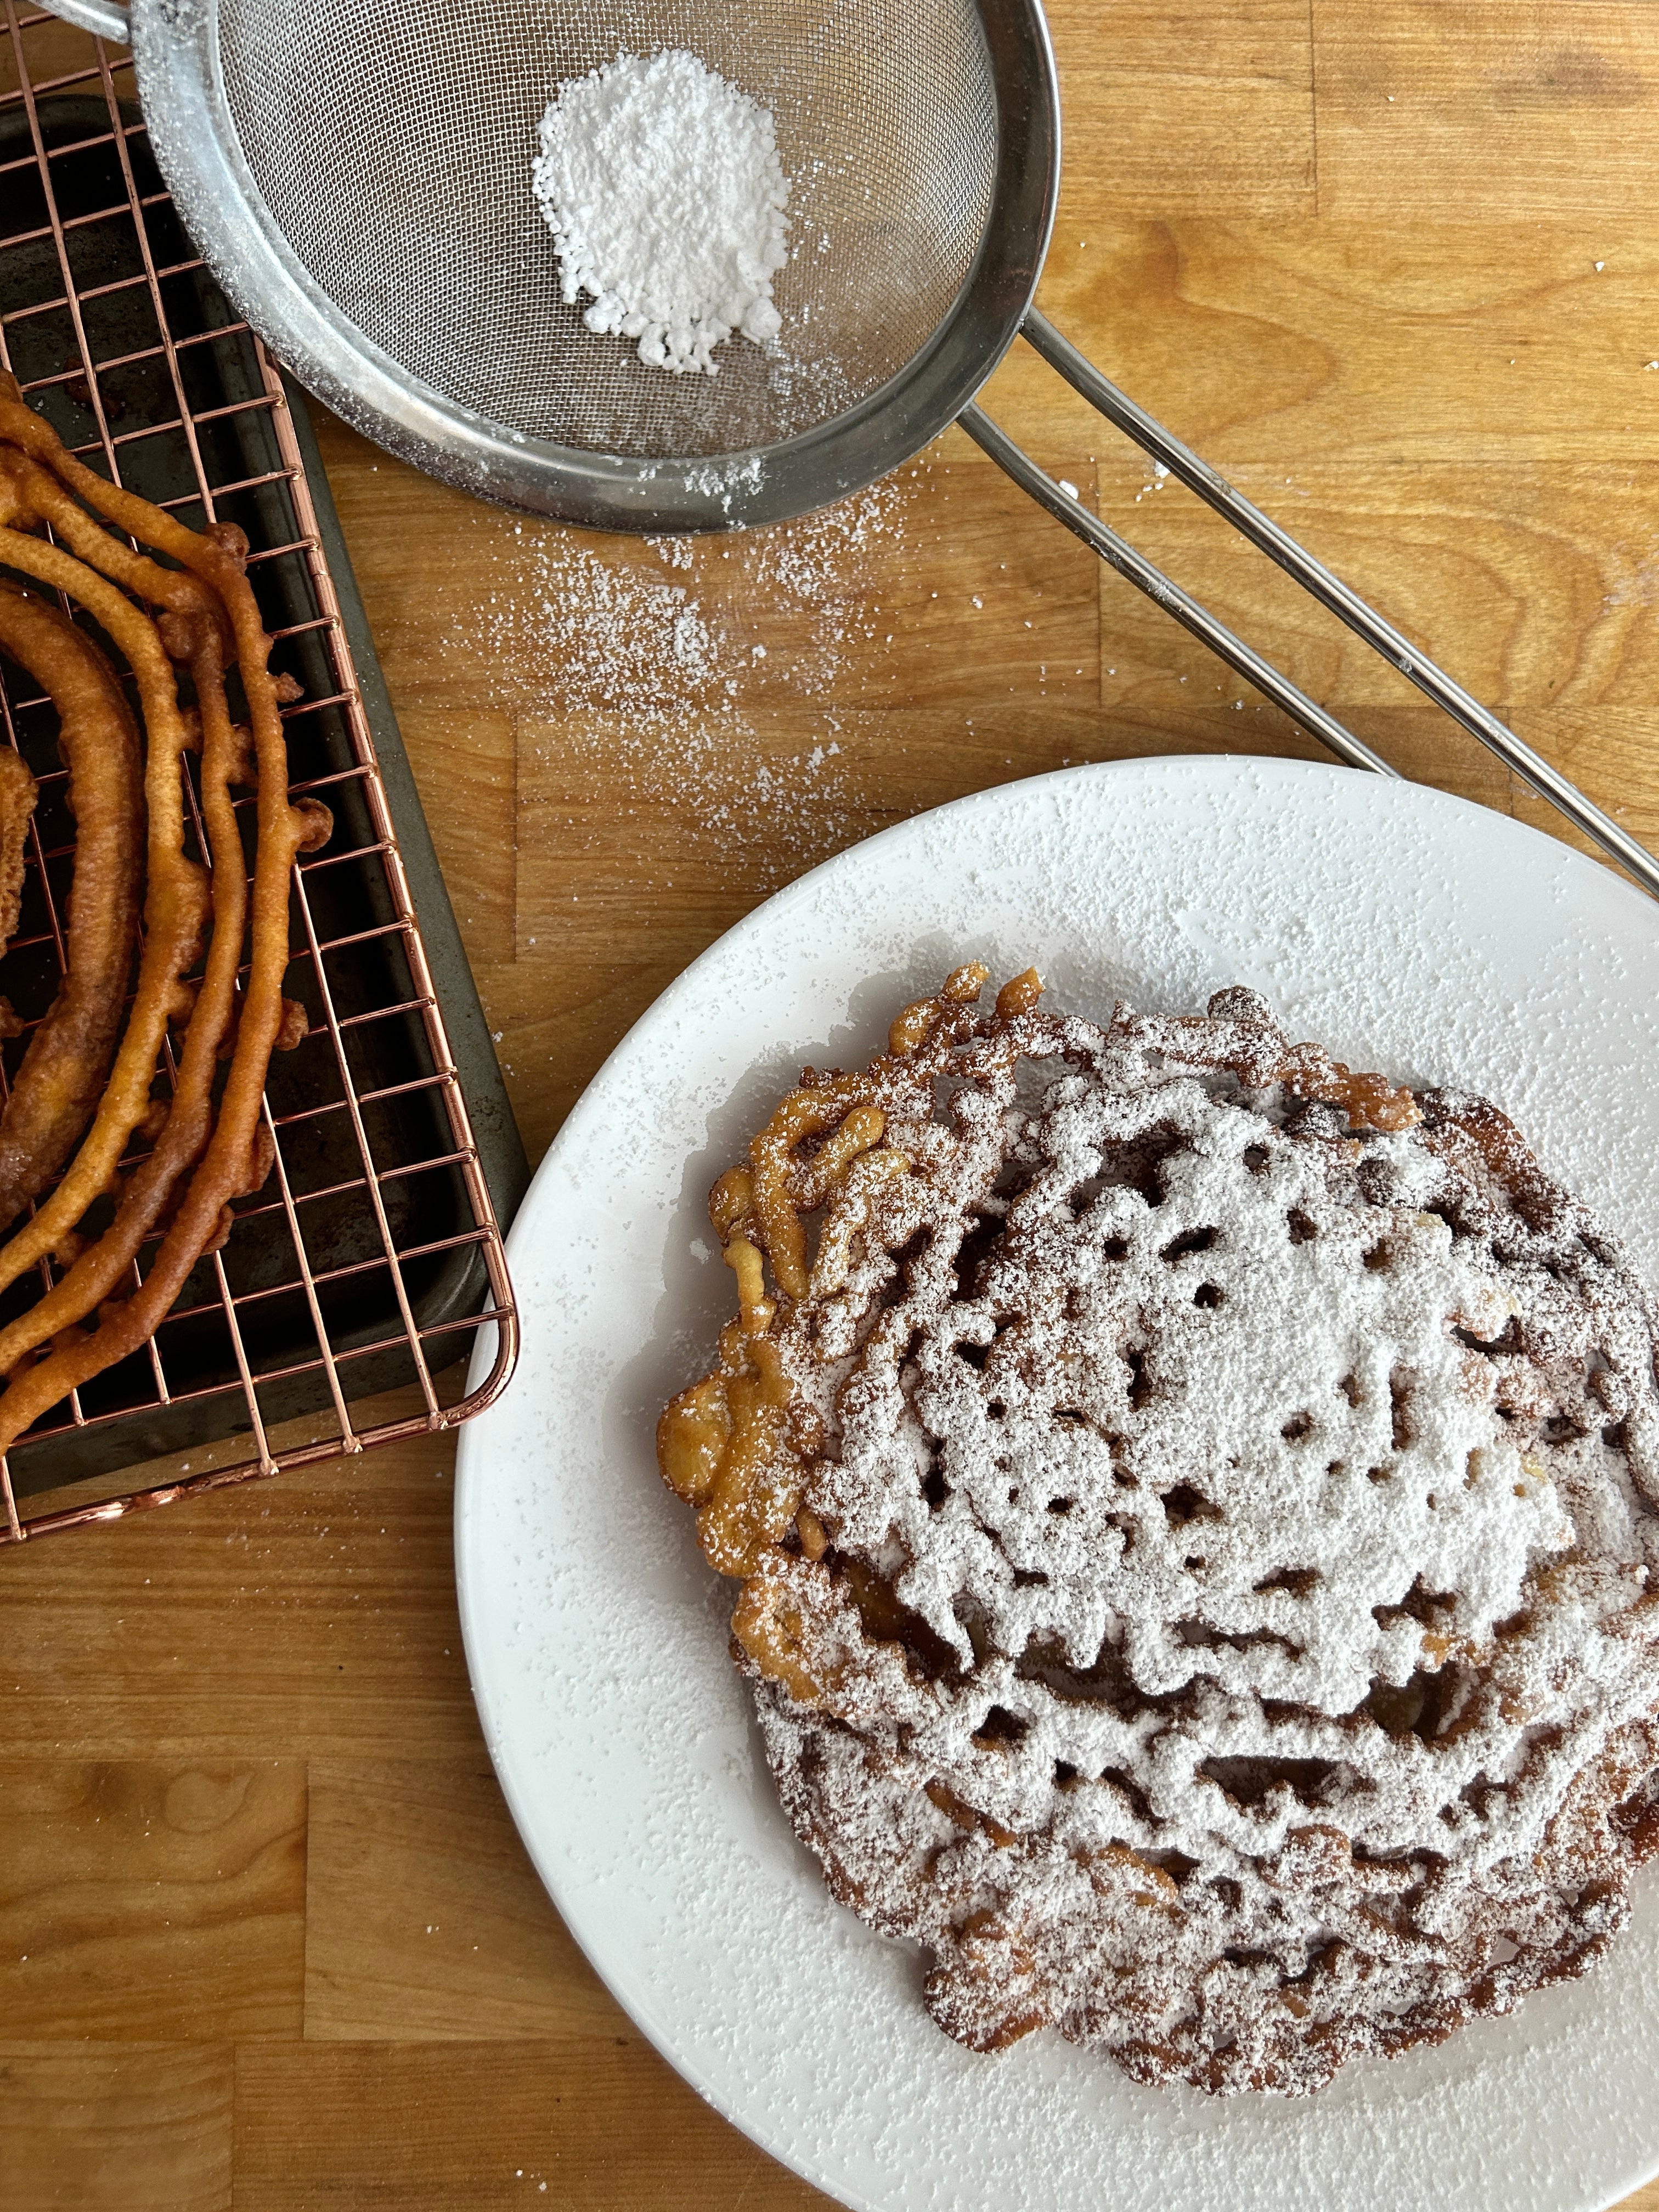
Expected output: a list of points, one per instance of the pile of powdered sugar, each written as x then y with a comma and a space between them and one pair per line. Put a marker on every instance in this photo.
661, 184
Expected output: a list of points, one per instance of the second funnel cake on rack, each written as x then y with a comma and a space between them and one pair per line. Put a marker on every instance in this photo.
160, 1140
1197, 1511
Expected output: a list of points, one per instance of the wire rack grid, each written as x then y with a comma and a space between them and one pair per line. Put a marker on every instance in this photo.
66, 99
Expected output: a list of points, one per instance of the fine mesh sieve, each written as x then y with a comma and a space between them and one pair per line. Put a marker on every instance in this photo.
356, 173
391, 140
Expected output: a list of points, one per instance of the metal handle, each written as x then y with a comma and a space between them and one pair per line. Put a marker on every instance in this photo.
1119, 554
1314, 578
99, 16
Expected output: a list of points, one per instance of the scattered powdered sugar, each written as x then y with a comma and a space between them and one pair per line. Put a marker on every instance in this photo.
817, 563
604, 636
658, 668
661, 184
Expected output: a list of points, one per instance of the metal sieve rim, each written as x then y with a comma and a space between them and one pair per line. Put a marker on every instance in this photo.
175, 45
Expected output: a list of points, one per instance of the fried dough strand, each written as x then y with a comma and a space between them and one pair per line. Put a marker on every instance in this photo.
42, 499
18, 792
175, 900
56, 1089
238, 1153
98, 1271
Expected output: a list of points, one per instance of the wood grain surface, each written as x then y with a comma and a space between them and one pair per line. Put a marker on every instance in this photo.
267, 1937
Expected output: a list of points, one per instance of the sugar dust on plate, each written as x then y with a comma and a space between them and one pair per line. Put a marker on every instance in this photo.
661, 184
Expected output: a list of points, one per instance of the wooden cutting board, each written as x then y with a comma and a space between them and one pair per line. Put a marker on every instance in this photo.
269, 1938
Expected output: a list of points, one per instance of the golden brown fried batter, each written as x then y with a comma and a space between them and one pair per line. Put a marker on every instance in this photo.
175, 901
179, 1127
57, 1087
210, 606
18, 792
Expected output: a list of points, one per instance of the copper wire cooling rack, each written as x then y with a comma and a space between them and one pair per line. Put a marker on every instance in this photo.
373, 1251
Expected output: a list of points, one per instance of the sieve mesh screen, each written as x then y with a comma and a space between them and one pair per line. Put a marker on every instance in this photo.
393, 141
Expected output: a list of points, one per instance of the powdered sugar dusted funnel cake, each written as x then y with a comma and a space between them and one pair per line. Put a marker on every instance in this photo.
1196, 1512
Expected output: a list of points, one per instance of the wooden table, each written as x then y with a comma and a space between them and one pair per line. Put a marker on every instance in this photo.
269, 1937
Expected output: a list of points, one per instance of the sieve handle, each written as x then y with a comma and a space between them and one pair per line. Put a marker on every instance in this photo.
1162, 590
1329, 589
102, 16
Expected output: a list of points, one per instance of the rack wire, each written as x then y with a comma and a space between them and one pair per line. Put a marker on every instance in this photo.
275, 1320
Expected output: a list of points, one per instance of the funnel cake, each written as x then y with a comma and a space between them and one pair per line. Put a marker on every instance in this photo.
1197, 1511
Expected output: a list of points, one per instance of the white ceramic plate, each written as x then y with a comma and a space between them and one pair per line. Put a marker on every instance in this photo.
1406, 930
